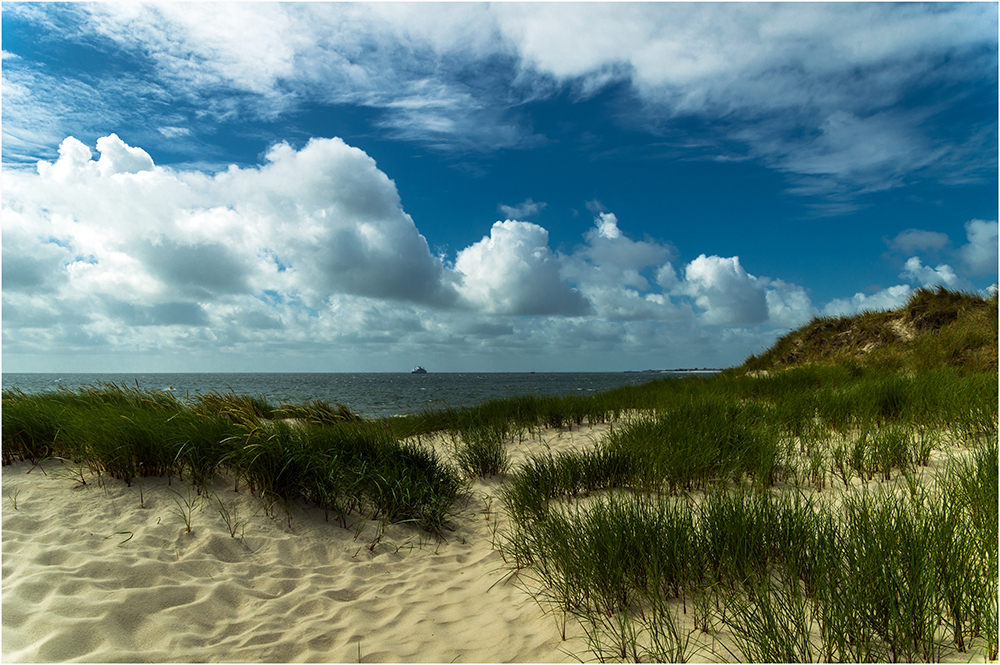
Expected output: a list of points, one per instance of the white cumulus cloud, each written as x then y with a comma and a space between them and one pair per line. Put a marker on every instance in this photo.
788, 305
893, 297
942, 275
980, 254
117, 157
513, 271
311, 253
613, 272
118, 242
334, 218
724, 291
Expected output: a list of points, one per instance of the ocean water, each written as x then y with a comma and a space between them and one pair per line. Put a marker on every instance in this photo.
372, 395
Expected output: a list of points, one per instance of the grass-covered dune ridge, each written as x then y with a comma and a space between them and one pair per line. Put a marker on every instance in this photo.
840, 505
935, 328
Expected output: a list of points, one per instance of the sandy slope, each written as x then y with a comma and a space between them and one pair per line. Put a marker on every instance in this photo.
90, 575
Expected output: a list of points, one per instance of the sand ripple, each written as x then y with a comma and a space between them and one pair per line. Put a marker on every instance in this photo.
90, 575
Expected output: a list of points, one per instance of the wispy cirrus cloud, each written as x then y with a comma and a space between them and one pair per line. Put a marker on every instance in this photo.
526, 208
817, 91
917, 240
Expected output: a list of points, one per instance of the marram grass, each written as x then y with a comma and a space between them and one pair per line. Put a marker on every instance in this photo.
699, 521
344, 466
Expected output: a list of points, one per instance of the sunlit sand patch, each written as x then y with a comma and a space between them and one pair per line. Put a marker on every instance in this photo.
89, 574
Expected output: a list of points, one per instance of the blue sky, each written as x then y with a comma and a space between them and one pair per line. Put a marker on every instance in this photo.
472, 187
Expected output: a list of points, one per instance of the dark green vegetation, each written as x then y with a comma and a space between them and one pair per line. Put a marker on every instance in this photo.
334, 460
788, 509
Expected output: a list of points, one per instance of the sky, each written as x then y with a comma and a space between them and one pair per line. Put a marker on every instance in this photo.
256, 187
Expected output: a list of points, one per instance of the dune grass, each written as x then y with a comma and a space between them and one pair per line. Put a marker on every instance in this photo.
713, 513
481, 451
890, 577
335, 460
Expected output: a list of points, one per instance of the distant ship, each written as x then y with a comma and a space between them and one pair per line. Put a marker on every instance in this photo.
418, 370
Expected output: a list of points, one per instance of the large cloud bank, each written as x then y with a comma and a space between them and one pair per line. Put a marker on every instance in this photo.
312, 253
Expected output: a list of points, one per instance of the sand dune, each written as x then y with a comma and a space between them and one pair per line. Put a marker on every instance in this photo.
89, 574
102, 572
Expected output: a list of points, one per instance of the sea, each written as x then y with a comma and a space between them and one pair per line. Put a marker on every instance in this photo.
371, 395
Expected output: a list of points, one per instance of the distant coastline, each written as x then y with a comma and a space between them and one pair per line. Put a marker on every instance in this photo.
693, 370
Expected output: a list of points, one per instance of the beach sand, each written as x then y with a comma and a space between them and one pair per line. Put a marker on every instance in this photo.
102, 572
89, 574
